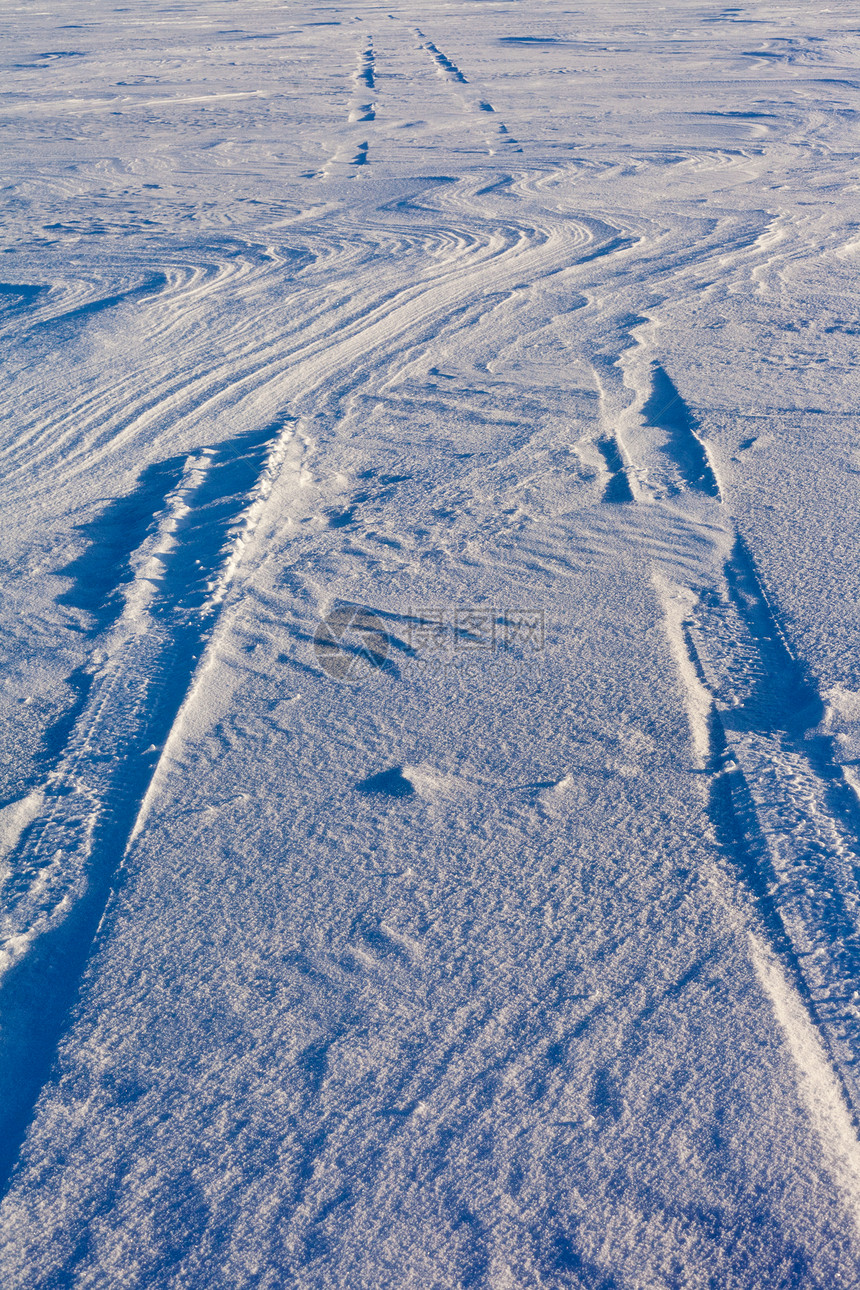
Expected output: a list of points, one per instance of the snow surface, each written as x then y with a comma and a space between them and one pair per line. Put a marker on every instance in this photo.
430, 810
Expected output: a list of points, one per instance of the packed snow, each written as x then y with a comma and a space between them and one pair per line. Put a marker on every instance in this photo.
430, 701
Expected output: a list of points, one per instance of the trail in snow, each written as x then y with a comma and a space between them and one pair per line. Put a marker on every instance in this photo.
60, 873
429, 841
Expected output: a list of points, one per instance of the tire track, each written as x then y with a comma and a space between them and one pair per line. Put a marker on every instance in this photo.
59, 878
782, 810
63, 870
362, 109
451, 73
665, 411
365, 83
781, 805
787, 815
446, 67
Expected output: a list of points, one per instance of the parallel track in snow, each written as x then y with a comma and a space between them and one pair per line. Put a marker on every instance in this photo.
430, 979
61, 874
782, 809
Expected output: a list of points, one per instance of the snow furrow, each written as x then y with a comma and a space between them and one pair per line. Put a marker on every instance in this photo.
781, 806
58, 878
797, 820
429, 686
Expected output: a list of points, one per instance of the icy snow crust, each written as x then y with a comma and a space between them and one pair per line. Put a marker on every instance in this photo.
431, 694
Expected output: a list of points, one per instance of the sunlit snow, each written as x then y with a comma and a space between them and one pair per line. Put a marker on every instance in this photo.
430, 690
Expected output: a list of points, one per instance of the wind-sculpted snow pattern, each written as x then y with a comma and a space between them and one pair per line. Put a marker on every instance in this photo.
430, 803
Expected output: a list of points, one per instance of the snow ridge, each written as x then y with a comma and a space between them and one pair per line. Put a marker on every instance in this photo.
781, 805
59, 876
